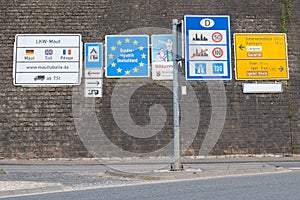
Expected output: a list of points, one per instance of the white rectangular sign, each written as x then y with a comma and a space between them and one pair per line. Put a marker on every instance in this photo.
93, 83
46, 78
47, 59
93, 73
162, 70
93, 87
262, 88
93, 92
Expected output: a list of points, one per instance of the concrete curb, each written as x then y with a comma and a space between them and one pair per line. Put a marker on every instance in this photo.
167, 160
192, 173
37, 190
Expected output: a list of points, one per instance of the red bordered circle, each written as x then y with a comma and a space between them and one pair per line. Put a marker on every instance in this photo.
219, 55
217, 40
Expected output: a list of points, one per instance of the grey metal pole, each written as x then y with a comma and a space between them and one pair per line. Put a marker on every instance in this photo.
177, 160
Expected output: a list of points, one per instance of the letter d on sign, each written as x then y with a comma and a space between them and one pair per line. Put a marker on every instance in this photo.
207, 23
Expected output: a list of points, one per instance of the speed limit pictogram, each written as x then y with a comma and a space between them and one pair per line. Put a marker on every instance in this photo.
217, 52
217, 37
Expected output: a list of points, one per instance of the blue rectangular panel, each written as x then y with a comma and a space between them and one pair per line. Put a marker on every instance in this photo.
208, 47
127, 56
93, 55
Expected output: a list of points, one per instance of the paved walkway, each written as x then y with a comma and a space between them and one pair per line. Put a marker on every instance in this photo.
22, 177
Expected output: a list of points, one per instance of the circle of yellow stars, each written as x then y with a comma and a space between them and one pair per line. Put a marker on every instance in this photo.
114, 48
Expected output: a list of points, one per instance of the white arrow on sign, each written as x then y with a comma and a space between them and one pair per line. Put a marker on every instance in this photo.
94, 73
90, 73
94, 83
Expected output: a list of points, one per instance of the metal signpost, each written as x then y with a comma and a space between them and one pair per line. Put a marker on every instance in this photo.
47, 59
208, 47
177, 159
127, 56
261, 56
207, 57
93, 69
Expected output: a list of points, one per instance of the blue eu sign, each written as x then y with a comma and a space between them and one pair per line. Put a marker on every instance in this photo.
127, 56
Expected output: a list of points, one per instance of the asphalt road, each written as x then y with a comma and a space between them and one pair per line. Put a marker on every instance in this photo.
255, 187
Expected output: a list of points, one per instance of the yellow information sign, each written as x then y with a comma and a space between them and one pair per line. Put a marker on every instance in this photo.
261, 56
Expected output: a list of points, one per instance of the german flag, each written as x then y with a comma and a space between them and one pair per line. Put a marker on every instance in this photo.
29, 52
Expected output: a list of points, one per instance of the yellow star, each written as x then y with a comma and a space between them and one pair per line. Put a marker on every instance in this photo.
135, 70
144, 55
135, 42
111, 56
127, 72
113, 64
142, 64
119, 42
113, 48
119, 70
127, 40
141, 48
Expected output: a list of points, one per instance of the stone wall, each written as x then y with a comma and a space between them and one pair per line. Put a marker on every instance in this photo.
42, 122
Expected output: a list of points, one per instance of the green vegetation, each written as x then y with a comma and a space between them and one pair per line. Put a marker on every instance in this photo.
291, 109
285, 14
286, 18
2, 171
294, 148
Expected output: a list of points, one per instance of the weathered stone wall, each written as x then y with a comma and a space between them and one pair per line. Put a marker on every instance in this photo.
40, 122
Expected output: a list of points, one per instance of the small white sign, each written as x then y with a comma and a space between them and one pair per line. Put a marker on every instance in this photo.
254, 48
207, 53
93, 92
262, 88
46, 78
162, 70
93, 83
93, 73
183, 90
201, 37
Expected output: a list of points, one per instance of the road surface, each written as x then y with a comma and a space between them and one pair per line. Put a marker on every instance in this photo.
273, 186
